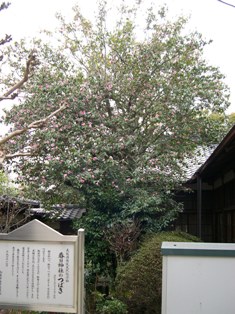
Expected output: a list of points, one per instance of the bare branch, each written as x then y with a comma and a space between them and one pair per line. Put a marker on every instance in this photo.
9, 98
12, 215
231, 5
122, 238
29, 64
11, 135
42, 122
20, 154
5, 40
4, 6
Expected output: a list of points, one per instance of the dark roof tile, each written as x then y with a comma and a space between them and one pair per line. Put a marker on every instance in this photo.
59, 213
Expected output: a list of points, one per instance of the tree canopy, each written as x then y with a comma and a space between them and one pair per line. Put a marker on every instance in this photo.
11, 88
133, 107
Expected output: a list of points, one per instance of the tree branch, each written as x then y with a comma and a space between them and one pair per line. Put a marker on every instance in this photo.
19, 154
11, 135
4, 6
5, 40
231, 5
34, 125
9, 98
29, 64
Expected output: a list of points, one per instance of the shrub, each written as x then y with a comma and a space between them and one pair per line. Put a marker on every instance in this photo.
138, 282
110, 305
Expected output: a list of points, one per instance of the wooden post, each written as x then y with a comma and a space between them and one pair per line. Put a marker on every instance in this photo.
81, 288
199, 206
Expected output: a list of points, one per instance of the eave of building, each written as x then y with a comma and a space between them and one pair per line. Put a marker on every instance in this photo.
219, 159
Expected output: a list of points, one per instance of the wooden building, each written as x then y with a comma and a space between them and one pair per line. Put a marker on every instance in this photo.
209, 209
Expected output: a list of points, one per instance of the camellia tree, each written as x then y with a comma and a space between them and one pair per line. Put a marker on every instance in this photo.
135, 107
137, 102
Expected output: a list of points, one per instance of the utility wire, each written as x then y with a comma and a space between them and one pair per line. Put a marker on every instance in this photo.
231, 5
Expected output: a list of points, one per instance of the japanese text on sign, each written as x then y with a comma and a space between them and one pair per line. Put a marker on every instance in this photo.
28, 273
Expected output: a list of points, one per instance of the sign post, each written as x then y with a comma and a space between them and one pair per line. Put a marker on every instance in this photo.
42, 270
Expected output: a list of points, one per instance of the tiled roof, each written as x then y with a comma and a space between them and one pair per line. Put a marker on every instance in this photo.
34, 208
194, 163
68, 212
20, 201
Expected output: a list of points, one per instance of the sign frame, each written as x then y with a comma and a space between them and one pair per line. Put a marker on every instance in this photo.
36, 233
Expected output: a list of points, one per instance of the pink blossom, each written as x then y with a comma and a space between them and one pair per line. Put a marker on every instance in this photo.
109, 86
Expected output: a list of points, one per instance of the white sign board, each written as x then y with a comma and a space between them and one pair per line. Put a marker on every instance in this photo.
198, 278
40, 274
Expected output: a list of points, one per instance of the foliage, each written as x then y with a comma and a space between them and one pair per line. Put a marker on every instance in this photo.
110, 306
231, 119
123, 238
11, 88
224, 122
110, 241
138, 282
99, 260
7, 38
111, 238
12, 214
6, 187
3, 182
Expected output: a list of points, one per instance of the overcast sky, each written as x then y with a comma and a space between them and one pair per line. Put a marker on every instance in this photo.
214, 20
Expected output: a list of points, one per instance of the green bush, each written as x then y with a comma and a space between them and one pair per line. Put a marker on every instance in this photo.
110, 305
138, 282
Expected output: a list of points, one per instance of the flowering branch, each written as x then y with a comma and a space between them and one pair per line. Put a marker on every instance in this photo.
34, 125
